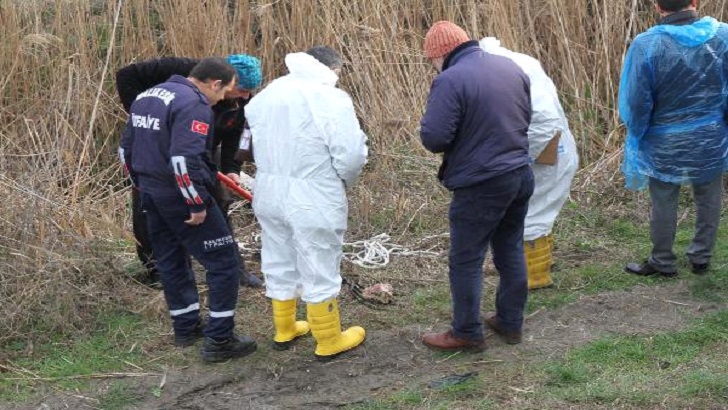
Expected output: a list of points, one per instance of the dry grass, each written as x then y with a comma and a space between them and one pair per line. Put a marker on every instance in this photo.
63, 220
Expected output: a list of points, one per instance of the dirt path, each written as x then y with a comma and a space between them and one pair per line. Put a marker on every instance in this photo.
393, 359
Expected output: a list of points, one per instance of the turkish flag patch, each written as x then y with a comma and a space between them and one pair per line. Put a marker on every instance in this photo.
200, 127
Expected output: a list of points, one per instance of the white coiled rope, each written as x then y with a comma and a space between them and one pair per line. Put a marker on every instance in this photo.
373, 253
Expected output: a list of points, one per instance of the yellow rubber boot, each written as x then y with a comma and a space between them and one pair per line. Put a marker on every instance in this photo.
325, 324
287, 328
539, 261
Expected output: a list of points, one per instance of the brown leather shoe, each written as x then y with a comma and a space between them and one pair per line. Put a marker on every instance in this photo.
512, 337
448, 341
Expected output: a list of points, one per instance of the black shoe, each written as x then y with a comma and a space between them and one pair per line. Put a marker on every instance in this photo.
249, 280
700, 268
190, 338
645, 269
218, 351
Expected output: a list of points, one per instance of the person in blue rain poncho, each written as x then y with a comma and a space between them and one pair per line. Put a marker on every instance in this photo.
672, 99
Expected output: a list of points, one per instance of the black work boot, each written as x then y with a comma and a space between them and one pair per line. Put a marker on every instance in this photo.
645, 269
249, 280
700, 268
218, 351
152, 279
189, 338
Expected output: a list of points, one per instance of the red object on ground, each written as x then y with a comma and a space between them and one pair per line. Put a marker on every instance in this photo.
234, 187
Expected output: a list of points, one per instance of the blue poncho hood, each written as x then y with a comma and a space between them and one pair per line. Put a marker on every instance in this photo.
690, 35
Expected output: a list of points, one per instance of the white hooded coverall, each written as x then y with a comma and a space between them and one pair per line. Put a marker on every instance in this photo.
552, 182
308, 148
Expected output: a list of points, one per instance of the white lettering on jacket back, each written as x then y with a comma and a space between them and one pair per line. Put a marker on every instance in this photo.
145, 121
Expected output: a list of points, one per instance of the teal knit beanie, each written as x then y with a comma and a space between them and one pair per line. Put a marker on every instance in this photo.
248, 68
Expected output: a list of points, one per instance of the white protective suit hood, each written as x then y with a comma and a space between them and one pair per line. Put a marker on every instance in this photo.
305, 66
546, 119
308, 148
553, 182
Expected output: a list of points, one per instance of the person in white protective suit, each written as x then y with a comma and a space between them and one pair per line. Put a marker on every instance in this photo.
554, 160
308, 148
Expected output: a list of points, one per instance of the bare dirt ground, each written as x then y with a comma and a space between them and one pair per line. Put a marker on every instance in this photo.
393, 359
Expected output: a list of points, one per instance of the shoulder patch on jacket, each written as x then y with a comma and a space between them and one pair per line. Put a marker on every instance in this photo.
200, 127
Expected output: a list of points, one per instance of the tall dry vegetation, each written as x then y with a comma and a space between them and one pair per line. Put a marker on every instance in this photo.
63, 214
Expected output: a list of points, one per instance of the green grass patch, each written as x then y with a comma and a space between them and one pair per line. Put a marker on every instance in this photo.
426, 304
432, 297
701, 383
373, 405
68, 363
641, 370
588, 279
713, 286
625, 230
592, 250
118, 397
409, 397
466, 394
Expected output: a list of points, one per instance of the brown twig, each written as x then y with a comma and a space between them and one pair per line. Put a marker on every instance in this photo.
86, 376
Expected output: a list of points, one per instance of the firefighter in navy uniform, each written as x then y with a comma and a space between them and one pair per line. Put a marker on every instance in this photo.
166, 148
228, 125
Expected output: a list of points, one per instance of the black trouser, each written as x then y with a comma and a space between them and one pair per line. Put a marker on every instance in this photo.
139, 226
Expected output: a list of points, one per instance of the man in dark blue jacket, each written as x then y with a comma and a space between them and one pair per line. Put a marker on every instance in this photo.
134, 79
477, 115
166, 148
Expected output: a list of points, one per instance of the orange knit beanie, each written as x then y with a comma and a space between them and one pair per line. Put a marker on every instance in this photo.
442, 38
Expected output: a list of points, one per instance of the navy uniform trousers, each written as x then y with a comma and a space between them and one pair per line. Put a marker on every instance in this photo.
212, 245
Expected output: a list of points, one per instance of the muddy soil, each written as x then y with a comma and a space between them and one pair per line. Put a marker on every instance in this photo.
392, 359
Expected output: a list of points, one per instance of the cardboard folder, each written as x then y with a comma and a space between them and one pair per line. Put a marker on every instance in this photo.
550, 154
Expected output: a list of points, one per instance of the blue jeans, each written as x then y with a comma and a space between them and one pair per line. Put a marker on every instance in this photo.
491, 212
212, 244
